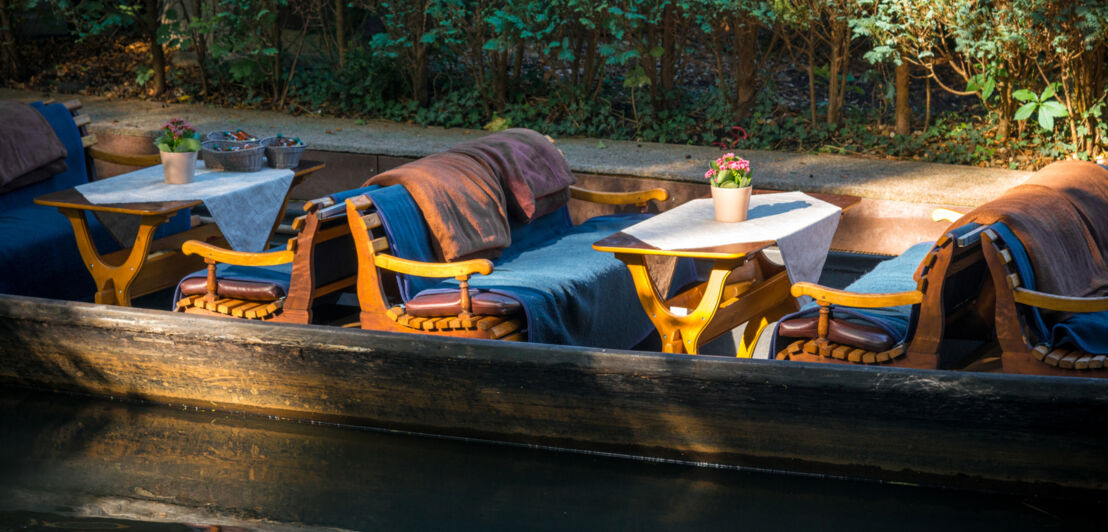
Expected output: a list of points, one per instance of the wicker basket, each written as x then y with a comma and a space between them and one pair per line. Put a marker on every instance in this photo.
282, 156
228, 136
240, 160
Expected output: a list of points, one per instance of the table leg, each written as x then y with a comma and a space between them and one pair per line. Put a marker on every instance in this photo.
680, 333
113, 282
758, 324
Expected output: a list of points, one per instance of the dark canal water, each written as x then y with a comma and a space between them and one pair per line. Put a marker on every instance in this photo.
78, 463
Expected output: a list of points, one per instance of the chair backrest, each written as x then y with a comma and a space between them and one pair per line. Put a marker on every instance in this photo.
957, 303
323, 262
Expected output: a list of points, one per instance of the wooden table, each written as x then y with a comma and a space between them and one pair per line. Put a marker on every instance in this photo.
742, 287
149, 265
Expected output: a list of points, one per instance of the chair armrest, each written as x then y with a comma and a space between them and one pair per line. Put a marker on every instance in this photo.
945, 215
129, 160
825, 296
640, 197
237, 258
1060, 303
433, 269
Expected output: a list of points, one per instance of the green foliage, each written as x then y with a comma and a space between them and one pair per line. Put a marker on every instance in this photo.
654, 70
1048, 108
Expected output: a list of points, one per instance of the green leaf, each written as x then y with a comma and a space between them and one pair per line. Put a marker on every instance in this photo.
188, 145
1024, 112
1048, 93
657, 52
1046, 120
1024, 95
987, 90
1055, 108
162, 146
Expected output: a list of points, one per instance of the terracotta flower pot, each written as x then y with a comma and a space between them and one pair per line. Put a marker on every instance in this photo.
731, 203
180, 167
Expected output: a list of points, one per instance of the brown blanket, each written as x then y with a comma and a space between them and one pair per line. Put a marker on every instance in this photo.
534, 174
1086, 186
29, 150
461, 200
1063, 252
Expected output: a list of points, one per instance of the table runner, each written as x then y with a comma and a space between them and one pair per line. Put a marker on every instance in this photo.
243, 204
801, 225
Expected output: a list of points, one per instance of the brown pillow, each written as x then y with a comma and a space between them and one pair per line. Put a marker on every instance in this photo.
533, 173
29, 149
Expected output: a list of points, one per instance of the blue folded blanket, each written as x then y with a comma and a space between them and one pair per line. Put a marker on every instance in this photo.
571, 294
1087, 332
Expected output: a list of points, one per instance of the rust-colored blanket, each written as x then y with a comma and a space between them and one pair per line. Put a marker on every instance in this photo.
534, 174
1063, 252
1086, 186
461, 200
29, 149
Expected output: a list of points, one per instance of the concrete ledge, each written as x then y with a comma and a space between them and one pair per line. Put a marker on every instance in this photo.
878, 179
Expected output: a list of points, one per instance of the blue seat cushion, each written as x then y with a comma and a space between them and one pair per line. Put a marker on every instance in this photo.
571, 293
39, 255
894, 275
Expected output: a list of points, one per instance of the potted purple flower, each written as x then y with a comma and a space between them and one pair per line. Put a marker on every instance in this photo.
730, 179
178, 145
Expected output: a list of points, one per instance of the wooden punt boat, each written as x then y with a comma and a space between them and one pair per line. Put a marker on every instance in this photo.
976, 430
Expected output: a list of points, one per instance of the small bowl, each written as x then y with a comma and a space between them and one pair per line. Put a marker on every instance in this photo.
237, 159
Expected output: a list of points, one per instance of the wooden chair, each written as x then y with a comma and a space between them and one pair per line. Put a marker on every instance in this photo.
949, 327
1026, 348
462, 313
322, 259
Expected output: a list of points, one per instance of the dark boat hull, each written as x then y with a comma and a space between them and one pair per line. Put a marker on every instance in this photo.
948, 428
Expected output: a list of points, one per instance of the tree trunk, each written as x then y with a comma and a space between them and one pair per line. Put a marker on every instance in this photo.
669, 50
1004, 110
834, 67
276, 74
745, 69
11, 65
150, 18
340, 31
812, 77
903, 110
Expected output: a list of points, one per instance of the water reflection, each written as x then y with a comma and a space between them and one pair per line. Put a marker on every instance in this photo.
60, 453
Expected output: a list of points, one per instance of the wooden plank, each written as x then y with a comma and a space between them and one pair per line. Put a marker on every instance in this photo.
840, 351
485, 323
1070, 359
229, 306
1097, 362
240, 312
1055, 356
380, 244
1040, 351
855, 355
372, 220
717, 410
504, 328
394, 313
1083, 362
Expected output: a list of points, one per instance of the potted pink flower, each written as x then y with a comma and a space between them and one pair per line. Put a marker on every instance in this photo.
730, 179
178, 145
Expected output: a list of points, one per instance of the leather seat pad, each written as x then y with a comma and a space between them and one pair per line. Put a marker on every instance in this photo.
438, 303
868, 337
234, 289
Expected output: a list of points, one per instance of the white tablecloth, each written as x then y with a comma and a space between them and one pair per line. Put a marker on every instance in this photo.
243, 204
801, 225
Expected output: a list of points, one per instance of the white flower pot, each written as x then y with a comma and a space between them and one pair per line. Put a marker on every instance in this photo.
180, 167
731, 203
